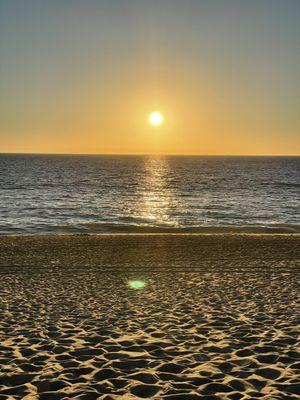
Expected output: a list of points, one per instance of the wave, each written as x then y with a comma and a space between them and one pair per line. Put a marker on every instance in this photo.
288, 184
140, 228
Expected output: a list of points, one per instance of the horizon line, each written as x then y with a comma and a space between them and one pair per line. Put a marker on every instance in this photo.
150, 154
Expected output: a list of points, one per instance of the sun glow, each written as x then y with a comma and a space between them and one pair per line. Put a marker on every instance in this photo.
156, 118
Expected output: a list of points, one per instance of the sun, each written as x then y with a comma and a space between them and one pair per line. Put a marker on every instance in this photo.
156, 118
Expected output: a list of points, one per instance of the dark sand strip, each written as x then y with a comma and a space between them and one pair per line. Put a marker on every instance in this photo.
166, 250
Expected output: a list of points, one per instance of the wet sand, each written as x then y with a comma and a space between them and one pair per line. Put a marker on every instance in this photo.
218, 317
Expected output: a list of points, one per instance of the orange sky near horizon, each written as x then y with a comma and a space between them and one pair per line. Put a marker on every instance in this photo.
82, 77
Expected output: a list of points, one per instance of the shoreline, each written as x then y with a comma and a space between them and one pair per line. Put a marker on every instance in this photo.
132, 234
132, 230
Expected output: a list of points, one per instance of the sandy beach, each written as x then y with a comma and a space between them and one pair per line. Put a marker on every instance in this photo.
160, 316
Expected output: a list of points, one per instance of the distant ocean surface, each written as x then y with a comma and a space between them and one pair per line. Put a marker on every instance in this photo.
42, 194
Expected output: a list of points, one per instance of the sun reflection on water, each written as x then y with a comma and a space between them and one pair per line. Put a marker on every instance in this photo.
157, 194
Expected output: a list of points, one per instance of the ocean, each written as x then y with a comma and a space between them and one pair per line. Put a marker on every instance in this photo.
41, 194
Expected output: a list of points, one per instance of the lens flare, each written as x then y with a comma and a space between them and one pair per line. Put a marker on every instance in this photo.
136, 284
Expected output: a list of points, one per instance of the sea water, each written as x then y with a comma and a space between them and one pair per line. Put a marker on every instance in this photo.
110, 194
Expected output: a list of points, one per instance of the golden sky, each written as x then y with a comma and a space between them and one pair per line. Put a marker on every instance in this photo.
82, 77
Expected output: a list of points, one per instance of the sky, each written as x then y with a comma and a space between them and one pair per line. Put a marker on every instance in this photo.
82, 76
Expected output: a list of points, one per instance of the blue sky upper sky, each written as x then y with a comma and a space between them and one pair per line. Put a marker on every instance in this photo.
82, 76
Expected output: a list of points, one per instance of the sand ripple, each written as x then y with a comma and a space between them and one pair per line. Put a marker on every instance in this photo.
187, 335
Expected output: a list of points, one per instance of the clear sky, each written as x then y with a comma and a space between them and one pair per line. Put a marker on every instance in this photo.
82, 76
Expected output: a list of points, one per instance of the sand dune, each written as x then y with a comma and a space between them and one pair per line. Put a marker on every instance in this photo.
217, 318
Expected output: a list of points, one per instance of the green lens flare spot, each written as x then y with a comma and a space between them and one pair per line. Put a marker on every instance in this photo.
136, 284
